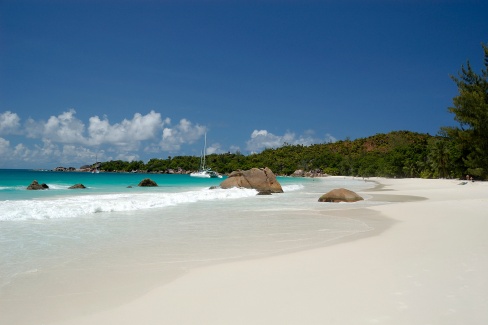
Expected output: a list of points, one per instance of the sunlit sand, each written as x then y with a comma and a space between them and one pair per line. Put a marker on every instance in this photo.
430, 267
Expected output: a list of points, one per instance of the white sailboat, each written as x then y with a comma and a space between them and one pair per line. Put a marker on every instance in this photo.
204, 171
97, 165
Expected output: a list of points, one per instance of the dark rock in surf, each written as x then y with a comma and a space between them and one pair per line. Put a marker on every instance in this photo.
77, 186
147, 182
36, 186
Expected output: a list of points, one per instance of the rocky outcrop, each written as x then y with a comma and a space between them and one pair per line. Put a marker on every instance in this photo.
36, 186
76, 186
260, 179
64, 169
340, 195
298, 173
311, 173
147, 182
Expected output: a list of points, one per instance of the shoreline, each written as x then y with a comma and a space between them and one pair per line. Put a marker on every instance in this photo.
66, 293
428, 268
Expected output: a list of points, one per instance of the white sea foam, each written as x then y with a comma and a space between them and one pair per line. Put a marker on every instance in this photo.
58, 187
12, 188
85, 205
290, 188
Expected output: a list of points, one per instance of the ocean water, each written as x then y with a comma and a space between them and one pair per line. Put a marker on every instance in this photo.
56, 243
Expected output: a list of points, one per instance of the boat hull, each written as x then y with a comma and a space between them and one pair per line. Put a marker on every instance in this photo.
205, 174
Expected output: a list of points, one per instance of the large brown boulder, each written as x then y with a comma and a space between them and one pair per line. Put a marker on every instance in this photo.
147, 182
260, 179
340, 195
36, 186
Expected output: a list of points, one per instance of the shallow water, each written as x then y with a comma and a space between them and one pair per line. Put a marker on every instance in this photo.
56, 247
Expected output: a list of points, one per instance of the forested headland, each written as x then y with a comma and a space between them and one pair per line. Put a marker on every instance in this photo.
396, 154
453, 153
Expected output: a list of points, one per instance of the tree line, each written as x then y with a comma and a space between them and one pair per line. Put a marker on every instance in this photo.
453, 153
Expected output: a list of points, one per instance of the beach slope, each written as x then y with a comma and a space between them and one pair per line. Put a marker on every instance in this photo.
430, 267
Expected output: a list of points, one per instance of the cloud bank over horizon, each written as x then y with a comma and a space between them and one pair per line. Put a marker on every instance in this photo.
67, 140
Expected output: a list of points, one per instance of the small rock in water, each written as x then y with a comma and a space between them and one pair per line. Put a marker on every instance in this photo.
147, 182
76, 186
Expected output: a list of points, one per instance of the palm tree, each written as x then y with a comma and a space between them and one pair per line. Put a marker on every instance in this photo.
439, 157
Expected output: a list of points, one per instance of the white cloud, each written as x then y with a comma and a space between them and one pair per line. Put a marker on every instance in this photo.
33, 129
262, 139
214, 148
128, 132
329, 138
21, 151
127, 157
79, 155
51, 154
9, 123
66, 140
183, 133
4, 147
234, 149
47, 151
64, 128
14, 157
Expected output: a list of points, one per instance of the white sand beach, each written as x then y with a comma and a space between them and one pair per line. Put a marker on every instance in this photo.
430, 267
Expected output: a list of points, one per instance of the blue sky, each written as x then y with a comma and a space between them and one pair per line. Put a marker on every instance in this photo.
135, 80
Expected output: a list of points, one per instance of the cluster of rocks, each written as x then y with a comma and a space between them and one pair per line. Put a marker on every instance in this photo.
261, 179
264, 181
179, 170
34, 186
64, 169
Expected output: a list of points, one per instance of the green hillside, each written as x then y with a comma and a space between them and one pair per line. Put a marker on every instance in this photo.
396, 154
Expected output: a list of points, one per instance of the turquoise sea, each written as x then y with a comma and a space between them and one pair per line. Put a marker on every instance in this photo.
65, 246
13, 183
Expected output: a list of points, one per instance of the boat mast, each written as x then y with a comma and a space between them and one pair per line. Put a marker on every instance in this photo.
204, 150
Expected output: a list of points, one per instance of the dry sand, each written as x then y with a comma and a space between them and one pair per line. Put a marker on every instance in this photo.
430, 267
